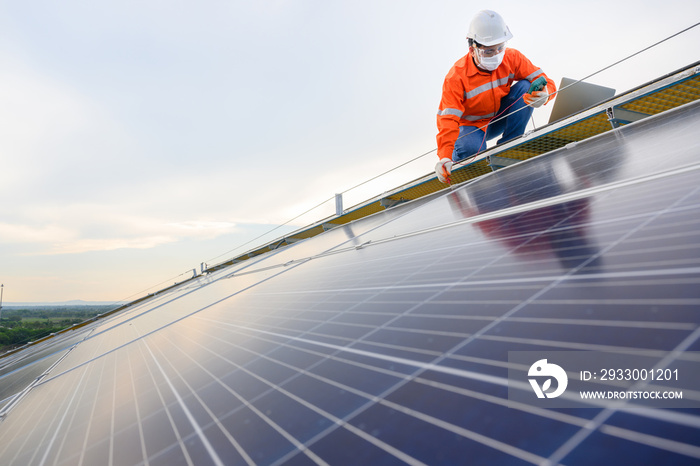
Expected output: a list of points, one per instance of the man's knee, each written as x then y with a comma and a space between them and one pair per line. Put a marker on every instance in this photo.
463, 149
520, 88
469, 144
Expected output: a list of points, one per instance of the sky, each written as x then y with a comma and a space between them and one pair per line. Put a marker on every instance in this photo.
139, 139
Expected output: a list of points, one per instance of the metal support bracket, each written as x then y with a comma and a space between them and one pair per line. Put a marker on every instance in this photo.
388, 203
618, 116
496, 162
279, 244
339, 204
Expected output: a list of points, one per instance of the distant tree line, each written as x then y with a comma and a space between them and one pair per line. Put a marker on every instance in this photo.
20, 325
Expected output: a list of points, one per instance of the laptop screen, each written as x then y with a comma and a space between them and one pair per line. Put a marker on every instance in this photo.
577, 97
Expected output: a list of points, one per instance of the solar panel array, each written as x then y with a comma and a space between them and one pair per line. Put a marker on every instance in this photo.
386, 340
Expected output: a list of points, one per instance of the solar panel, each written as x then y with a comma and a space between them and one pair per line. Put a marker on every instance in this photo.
387, 340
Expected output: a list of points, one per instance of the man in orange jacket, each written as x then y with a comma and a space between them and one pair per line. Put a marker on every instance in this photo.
486, 94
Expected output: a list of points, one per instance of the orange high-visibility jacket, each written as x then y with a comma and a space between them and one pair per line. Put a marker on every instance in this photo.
471, 96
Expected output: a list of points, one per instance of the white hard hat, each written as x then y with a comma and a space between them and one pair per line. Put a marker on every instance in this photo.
488, 28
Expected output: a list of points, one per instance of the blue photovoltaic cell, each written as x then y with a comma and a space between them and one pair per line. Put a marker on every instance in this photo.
387, 340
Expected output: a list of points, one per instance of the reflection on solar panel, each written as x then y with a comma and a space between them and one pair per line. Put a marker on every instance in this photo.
386, 340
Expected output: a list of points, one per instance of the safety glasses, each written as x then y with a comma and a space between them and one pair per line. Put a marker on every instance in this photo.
491, 51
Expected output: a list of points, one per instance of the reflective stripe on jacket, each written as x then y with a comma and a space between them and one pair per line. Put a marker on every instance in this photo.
471, 96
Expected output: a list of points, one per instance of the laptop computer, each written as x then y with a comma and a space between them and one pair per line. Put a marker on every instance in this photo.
577, 97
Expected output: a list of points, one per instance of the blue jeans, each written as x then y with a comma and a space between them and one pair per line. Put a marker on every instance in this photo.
472, 139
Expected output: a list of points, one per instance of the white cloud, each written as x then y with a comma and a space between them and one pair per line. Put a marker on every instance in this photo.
80, 228
17, 233
108, 244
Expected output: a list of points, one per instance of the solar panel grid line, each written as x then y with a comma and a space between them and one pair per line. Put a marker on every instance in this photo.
331, 382
414, 351
688, 276
77, 394
582, 301
338, 247
340, 339
82, 363
662, 233
562, 345
70, 423
114, 391
574, 441
455, 429
298, 445
136, 312
603, 416
198, 429
384, 216
17, 397
487, 327
671, 264
673, 417
167, 410
426, 332
534, 205
93, 408
383, 325
380, 356
608, 323
135, 396
616, 310
43, 439
128, 342
619, 301
484, 440
620, 266
654, 441
239, 449
171, 295
510, 282
329, 356
126, 415
113, 411
374, 242
82, 394
692, 246
558, 416
569, 336
5, 447
269, 267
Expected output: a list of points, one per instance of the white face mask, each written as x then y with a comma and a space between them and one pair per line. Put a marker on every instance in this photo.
491, 63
